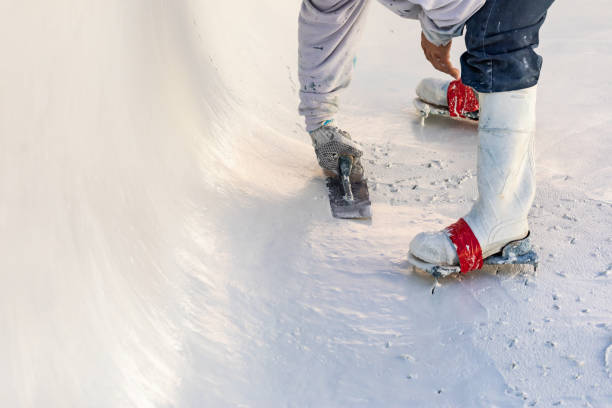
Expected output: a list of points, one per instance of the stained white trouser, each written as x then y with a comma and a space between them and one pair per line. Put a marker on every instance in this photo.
506, 178
328, 34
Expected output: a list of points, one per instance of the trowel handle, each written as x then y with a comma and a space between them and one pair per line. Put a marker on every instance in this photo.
346, 165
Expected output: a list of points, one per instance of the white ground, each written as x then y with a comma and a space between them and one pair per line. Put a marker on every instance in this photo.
166, 238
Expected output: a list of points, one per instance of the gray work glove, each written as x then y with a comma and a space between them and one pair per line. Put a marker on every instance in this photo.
330, 143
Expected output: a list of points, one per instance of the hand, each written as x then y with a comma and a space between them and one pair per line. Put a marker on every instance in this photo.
330, 142
439, 56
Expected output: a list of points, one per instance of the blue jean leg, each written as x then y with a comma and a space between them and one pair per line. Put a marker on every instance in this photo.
500, 40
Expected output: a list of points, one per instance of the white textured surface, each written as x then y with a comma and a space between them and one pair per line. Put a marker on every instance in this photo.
166, 237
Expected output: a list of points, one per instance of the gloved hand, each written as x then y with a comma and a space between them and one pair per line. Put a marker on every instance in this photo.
330, 143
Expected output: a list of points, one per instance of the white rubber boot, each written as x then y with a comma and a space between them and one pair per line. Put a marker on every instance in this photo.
506, 179
433, 91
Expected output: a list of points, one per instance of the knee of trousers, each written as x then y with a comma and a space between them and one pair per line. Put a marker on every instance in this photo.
509, 71
500, 45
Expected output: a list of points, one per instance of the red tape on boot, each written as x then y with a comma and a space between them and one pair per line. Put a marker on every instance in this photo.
468, 248
461, 99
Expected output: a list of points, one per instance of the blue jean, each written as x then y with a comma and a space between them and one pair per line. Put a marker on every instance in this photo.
500, 40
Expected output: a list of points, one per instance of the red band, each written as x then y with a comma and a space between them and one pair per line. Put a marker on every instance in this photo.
461, 99
468, 248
